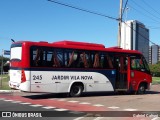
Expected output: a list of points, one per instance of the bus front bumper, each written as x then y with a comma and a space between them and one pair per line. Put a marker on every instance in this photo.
14, 85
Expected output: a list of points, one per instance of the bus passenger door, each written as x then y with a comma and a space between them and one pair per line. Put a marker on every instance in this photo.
122, 73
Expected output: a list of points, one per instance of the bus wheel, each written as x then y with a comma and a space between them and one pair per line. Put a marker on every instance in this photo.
141, 89
76, 90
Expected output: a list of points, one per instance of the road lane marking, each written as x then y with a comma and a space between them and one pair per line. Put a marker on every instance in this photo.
85, 103
113, 107
37, 105
98, 118
53, 99
2, 98
16, 101
130, 109
79, 118
156, 118
8, 100
49, 107
62, 100
25, 103
98, 105
61, 109
72, 101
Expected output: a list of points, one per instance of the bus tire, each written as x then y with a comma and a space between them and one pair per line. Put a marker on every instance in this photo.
141, 89
76, 90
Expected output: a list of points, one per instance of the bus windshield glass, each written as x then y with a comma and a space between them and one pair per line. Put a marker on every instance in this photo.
16, 52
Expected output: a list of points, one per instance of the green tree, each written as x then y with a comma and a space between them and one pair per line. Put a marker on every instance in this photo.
5, 59
155, 69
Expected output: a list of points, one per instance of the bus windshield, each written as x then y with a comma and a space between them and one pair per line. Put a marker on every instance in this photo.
16, 52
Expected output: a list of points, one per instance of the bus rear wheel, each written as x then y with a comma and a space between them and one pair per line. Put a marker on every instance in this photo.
141, 89
76, 90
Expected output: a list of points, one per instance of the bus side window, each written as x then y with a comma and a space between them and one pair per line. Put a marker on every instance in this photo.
48, 58
83, 60
146, 67
72, 59
117, 63
109, 62
96, 63
106, 61
37, 60
55, 60
141, 64
91, 60
137, 64
125, 63
133, 65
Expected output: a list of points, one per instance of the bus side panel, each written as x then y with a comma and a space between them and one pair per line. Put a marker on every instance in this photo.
41, 81
61, 81
100, 83
137, 77
92, 81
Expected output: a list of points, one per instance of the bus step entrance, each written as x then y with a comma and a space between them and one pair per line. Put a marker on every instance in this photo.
121, 85
121, 81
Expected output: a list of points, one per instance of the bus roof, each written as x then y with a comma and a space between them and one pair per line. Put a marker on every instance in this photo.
84, 44
78, 45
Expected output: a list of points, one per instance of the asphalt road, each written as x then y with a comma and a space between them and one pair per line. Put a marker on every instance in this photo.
19, 110
97, 106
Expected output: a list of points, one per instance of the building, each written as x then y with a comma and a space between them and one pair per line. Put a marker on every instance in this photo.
154, 54
135, 36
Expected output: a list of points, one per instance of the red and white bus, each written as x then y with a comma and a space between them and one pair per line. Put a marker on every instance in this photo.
76, 67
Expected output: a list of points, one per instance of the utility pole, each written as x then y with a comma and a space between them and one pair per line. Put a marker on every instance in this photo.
1, 70
120, 23
2, 63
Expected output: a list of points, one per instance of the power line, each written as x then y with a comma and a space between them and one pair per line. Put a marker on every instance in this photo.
151, 7
84, 10
156, 21
144, 9
148, 15
103, 15
124, 7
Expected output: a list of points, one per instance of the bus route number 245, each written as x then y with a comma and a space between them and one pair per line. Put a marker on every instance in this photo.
37, 77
